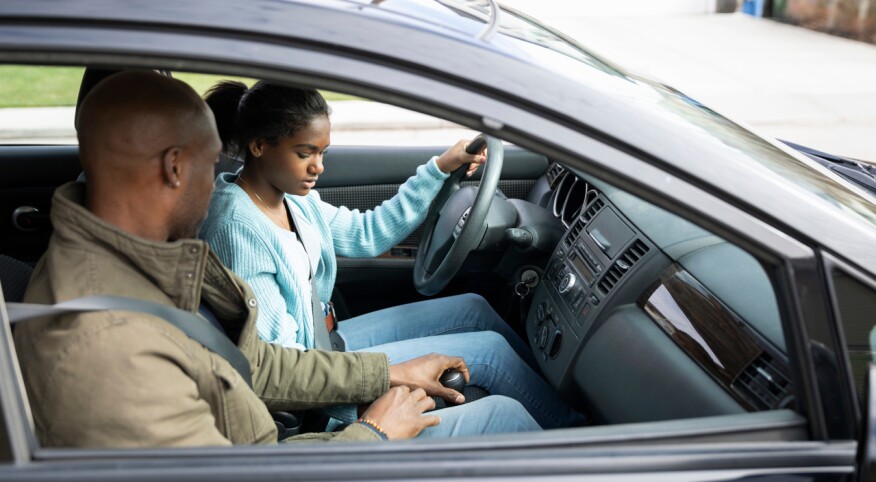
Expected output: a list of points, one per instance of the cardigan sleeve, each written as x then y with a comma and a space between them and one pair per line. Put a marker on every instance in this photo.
361, 235
245, 252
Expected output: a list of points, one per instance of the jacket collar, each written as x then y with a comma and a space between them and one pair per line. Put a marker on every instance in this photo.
176, 268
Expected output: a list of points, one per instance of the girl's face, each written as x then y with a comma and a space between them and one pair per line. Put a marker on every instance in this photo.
295, 162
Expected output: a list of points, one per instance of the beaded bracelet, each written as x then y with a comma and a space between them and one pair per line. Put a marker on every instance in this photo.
373, 426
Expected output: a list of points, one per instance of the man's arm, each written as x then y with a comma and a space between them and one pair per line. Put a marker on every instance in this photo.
290, 379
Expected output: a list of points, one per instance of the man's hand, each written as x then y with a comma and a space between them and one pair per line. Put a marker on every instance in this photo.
423, 372
456, 156
399, 412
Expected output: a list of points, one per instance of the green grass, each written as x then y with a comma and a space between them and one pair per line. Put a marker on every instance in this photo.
28, 86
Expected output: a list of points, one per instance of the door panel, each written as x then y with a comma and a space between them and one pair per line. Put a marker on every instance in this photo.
30, 176
362, 178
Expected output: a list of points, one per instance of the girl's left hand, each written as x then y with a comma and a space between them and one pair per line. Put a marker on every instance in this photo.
456, 156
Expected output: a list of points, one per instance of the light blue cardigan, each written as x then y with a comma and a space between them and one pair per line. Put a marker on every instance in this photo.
245, 240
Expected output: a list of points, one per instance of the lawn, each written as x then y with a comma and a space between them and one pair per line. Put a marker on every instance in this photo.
28, 86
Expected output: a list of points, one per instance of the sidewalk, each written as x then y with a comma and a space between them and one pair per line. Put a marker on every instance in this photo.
782, 81
353, 122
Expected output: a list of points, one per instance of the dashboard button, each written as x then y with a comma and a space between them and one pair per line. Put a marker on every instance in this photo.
556, 343
585, 312
542, 337
568, 282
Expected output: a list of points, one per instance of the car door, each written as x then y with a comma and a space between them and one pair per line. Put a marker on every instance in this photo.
789, 442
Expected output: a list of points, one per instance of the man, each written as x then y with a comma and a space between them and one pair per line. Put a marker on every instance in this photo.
124, 379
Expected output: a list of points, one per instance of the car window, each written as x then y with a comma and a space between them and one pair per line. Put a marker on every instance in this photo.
855, 300
37, 106
637, 314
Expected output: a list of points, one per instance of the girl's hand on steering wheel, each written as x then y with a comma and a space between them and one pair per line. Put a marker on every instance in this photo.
455, 157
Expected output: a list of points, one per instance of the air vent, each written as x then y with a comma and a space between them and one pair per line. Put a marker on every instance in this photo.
553, 174
591, 211
622, 266
636, 252
763, 383
575, 230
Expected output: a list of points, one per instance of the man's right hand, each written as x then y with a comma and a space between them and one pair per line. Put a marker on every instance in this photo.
399, 412
424, 372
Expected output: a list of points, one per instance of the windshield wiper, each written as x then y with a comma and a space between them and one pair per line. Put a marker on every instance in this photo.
859, 172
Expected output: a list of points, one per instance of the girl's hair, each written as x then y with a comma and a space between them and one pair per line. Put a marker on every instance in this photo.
264, 111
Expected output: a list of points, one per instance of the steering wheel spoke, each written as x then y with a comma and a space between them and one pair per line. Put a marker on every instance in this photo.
455, 224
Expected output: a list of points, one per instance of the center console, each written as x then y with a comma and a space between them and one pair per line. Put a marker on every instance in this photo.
585, 272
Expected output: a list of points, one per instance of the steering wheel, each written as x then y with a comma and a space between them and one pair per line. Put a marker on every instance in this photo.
455, 224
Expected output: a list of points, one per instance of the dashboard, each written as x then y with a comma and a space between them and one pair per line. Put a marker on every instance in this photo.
644, 316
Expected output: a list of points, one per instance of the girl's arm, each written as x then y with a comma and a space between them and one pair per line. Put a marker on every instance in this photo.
358, 234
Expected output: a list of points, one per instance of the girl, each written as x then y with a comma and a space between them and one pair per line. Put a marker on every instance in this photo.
269, 226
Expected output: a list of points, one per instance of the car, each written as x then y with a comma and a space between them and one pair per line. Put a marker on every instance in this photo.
704, 294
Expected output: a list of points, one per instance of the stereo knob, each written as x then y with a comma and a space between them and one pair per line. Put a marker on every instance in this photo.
567, 283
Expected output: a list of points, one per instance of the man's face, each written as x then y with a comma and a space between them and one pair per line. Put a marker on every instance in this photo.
199, 162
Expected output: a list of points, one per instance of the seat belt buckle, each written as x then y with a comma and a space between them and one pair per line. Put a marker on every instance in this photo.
331, 325
331, 319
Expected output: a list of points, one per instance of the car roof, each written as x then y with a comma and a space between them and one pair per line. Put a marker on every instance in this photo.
537, 67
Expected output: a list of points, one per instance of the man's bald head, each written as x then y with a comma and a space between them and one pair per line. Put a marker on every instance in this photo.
148, 145
133, 116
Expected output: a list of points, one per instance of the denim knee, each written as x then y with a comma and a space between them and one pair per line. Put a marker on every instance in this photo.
512, 412
493, 351
492, 342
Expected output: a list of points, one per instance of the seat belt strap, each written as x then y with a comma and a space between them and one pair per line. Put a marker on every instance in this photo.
322, 338
192, 325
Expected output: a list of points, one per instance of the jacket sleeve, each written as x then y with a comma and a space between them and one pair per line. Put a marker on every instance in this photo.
246, 253
368, 234
352, 433
290, 379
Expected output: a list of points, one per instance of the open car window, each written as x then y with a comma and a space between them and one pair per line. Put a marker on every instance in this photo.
655, 327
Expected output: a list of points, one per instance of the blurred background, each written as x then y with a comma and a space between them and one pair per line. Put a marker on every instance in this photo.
800, 70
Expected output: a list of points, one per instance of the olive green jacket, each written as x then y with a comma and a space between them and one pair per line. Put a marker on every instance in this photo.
126, 379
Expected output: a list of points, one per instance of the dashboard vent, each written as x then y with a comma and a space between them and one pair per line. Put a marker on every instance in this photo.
591, 211
763, 383
575, 230
622, 266
636, 252
553, 174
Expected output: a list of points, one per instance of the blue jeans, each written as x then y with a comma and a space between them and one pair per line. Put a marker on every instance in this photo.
465, 326
493, 414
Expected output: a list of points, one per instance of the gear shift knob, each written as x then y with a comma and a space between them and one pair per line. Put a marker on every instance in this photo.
452, 378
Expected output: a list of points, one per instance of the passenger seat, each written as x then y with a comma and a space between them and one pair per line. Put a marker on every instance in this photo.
14, 277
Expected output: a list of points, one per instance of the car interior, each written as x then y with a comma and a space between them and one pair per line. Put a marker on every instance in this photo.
639, 318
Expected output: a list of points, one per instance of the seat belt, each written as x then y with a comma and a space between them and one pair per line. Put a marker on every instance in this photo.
322, 339
192, 325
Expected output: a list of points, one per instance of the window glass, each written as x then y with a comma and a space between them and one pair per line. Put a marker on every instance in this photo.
37, 106
857, 309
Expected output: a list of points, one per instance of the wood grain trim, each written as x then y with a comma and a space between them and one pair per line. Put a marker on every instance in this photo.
701, 325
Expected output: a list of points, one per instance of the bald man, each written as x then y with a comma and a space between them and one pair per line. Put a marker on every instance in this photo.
123, 379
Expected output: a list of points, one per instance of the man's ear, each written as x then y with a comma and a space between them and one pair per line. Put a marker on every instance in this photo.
170, 164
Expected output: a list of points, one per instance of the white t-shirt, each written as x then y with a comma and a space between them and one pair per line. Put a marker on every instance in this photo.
302, 248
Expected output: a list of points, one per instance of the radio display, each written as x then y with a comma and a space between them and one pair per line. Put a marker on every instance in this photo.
581, 268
